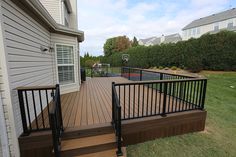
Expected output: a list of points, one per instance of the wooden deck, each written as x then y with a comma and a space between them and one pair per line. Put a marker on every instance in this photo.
91, 105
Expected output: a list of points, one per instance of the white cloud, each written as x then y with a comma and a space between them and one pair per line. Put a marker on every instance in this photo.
102, 19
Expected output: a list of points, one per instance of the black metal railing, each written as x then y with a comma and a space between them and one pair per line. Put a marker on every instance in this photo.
56, 124
116, 119
137, 74
150, 98
154, 93
34, 103
102, 72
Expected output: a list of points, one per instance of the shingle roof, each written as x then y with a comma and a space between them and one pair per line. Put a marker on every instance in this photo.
173, 38
228, 14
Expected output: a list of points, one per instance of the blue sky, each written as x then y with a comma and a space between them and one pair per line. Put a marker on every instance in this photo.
102, 19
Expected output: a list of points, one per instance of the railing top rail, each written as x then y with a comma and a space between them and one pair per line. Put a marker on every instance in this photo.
159, 81
154, 71
35, 88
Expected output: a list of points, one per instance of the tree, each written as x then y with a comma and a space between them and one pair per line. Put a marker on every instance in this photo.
116, 44
135, 42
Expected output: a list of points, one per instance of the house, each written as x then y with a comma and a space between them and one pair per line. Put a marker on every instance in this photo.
214, 23
39, 45
45, 110
173, 38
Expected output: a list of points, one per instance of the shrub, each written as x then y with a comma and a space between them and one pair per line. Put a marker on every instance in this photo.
173, 68
209, 52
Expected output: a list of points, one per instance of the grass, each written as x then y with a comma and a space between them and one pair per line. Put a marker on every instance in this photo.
219, 137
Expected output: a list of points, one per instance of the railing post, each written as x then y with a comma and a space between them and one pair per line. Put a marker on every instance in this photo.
204, 94
164, 100
129, 73
23, 115
119, 151
113, 99
141, 75
59, 107
53, 124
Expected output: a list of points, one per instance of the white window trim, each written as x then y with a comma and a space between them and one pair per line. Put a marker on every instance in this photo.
63, 85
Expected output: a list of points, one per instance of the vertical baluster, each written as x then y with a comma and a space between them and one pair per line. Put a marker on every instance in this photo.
160, 95
194, 96
138, 98
151, 98
46, 92
173, 97
197, 92
134, 102
27, 107
22, 110
190, 93
41, 107
184, 101
164, 100
156, 98
169, 96
147, 99
143, 100
35, 111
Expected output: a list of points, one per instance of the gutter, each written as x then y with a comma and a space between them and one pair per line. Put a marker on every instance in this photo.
39, 9
68, 6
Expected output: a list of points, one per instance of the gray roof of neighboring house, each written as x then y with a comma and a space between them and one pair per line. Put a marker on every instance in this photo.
144, 41
173, 38
228, 14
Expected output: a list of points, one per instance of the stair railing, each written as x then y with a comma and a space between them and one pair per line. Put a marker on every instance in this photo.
56, 123
116, 119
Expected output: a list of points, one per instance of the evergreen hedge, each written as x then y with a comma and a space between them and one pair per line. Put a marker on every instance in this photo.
210, 52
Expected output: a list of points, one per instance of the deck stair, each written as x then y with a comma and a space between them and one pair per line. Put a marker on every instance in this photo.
103, 145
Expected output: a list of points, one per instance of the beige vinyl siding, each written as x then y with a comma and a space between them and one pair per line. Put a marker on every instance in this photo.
66, 40
53, 7
27, 65
1, 82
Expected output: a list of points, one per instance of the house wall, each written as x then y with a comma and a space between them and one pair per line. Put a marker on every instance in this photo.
27, 64
54, 9
65, 40
205, 29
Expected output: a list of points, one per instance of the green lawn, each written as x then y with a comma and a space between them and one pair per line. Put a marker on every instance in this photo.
219, 137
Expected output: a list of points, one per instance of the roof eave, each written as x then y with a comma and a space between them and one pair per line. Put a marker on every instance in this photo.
38, 8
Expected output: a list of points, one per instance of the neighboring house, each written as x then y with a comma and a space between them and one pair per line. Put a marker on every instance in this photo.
225, 20
39, 45
173, 38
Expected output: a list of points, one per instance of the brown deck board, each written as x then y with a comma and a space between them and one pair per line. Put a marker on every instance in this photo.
92, 104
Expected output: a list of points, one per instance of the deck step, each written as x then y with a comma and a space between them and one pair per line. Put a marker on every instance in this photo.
87, 131
88, 145
105, 153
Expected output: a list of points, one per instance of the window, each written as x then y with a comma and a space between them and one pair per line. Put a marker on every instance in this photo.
198, 30
230, 24
65, 64
216, 26
189, 32
194, 31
